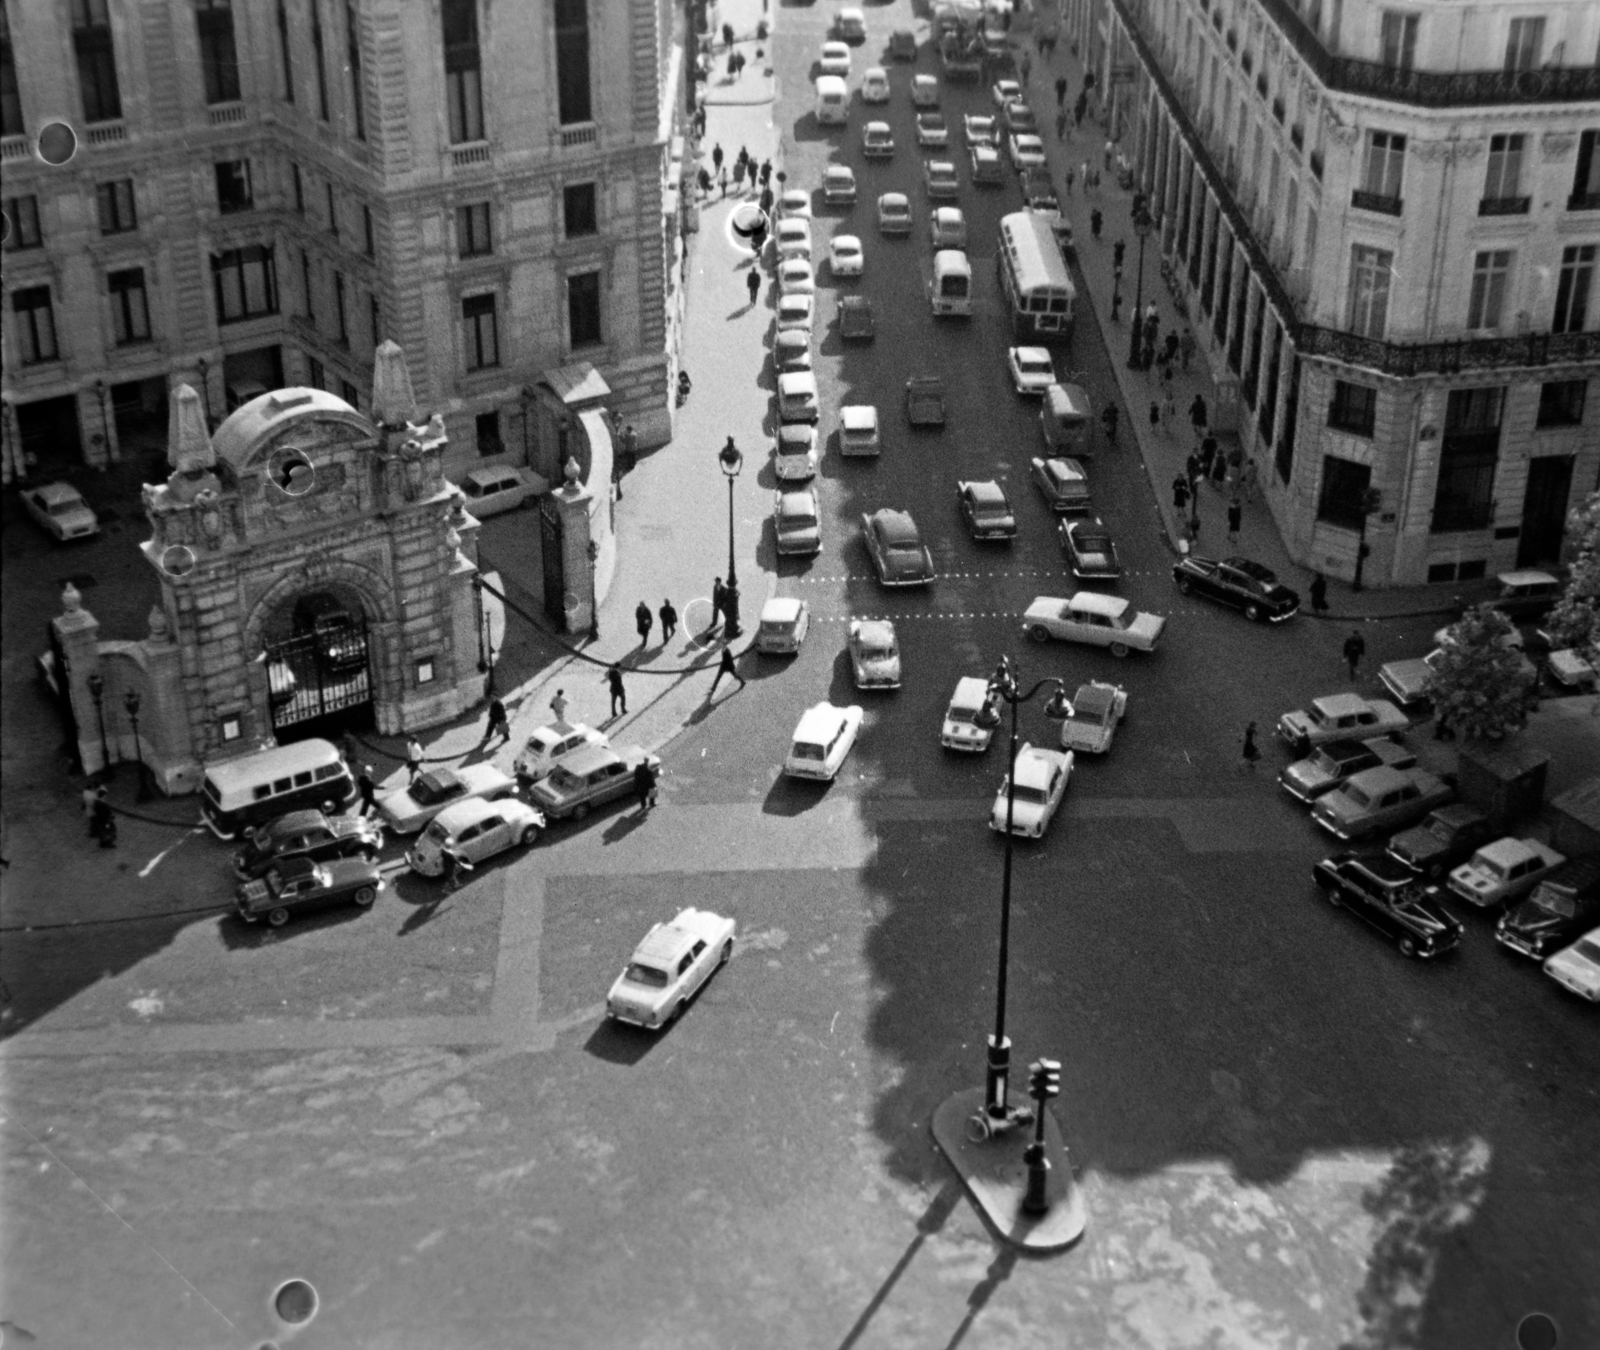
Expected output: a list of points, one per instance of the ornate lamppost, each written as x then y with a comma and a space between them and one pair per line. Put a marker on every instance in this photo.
731, 462
1142, 225
97, 691
130, 701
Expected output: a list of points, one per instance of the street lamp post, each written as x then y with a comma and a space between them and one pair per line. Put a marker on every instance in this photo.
97, 691
731, 461
130, 701
485, 639
1142, 225
1371, 500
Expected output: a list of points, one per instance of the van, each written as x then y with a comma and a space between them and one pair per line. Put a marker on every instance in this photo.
239, 795
950, 291
492, 490
833, 100
1064, 420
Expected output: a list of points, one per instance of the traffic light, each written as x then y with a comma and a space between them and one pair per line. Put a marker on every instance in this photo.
1044, 1079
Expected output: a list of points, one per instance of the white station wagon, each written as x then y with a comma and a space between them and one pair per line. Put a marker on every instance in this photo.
669, 967
821, 741
783, 626
1098, 620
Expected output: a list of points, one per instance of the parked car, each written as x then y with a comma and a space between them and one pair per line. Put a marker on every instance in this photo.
552, 744
1096, 711
307, 834
1569, 667
1387, 895
1094, 619
783, 626
1410, 681
984, 161
925, 401
1032, 371
1503, 871
1446, 837
986, 509
793, 238
894, 213
874, 654
899, 556
796, 276
875, 85
406, 810
1334, 761
845, 258
932, 133
924, 88
877, 141
1017, 118
488, 492
1090, 552
60, 510
669, 967
589, 779
300, 885
858, 430
476, 831
834, 60
791, 350
797, 397
855, 318
796, 311
1026, 151
947, 228
794, 204
1340, 715
1041, 782
1578, 967
980, 129
1002, 92
821, 741
1525, 595
794, 453
940, 179
1563, 906
1247, 586
1039, 194
1064, 483
972, 716
796, 521
839, 185
1381, 799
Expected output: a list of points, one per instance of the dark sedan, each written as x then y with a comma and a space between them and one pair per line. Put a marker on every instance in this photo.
1089, 550
1387, 895
986, 510
1449, 836
899, 556
1246, 586
308, 834
298, 885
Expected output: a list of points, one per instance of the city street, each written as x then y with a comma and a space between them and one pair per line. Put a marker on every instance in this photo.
1288, 1135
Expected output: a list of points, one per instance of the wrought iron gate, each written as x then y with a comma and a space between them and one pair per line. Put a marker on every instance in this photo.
327, 670
555, 579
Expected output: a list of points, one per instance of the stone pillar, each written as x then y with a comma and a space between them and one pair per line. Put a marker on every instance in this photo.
78, 632
164, 718
577, 566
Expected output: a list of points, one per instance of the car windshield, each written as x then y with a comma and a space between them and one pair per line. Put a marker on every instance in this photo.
1357, 796
1441, 830
563, 780
437, 831
1036, 796
274, 880
1086, 714
1589, 948
1490, 868
875, 650
1033, 365
64, 508
807, 750
799, 520
431, 788
776, 626
961, 715
651, 977
1552, 901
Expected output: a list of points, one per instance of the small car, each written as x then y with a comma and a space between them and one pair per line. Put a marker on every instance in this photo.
1334, 761
796, 277
903, 47
1039, 193
1094, 619
791, 350
1243, 585
1503, 871
408, 809
822, 739
476, 830
986, 167
1041, 781
980, 129
855, 318
307, 834
1090, 551
875, 85
300, 885
796, 311
986, 509
894, 213
794, 204
1562, 906
1017, 118
972, 716
1410, 681
550, 745
924, 91
1389, 897
1340, 715
874, 654
589, 779
1032, 371
492, 491
1063, 482
1096, 711
835, 59
1578, 967
669, 967
925, 401
839, 185
850, 24
844, 255
59, 508
877, 141
1446, 837
1003, 92
858, 430
794, 453
783, 625
1525, 596
899, 556
1026, 151
1377, 800
793, 239
932, 133
1570, 668
796, 521
940, 180
947, 228
797, 397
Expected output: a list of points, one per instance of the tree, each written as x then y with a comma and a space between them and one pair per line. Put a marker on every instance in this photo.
1481, 684
1575, 621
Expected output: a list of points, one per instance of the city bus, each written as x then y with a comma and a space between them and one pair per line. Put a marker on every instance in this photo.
1034, 279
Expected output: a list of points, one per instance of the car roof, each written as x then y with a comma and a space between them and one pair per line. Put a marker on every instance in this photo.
924, 80
1340, 705
894, 199
988, 492
792, 337
941, 166
851, 303
797, 499
1032, 353
1034, 766
858, 416
895, 527
293, 822
874, 630
948, 214
1346, 748
590, 758
1095, 602
971, 692
1458, 814
874, 127
1385, 868
846, 241
796, 437
1383, 778
819, 722
838, 171
457, 817
1253, 569
1507, 851
58, 492
794, 225
1527, 578
1062, 467
797, 382
781, 609
795, 265
871, 70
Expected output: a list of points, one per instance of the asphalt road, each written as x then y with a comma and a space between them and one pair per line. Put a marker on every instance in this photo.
1285, 1130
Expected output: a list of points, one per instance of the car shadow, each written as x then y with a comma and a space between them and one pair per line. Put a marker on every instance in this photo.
793, 796
238, 935
619, 1044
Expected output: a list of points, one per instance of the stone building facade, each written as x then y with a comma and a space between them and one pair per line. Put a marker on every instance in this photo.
1384, 225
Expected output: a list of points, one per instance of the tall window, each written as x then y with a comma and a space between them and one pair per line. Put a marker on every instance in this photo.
1342, 500
1398, 37
299, 189
482, 332
338, 305
1354, 408
374, 318
10, 93
463, 72
1586, 181
333, 209
1561, 403
130, 311
306, 288
285, 52
246, 283
22, 215
487, 427
1524, 44
316, 374
1572, 290
579, 211
1384, 170
114, 202
1487, 301
233, 186
1369, 290
219, 58
36, 325
572, 62
369, 239
473, 237
1503, 184
583, 309
97, 61
358, 93
319, 58
1464, 498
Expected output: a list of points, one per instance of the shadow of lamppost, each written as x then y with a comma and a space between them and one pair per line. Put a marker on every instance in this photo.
130, 701
97, 691
731, 461
1142, 225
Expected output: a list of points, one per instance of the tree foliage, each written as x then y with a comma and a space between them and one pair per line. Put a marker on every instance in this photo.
1481, 684
1575, 621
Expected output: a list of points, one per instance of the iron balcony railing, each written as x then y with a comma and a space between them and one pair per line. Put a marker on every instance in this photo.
1375, 201
1504, 206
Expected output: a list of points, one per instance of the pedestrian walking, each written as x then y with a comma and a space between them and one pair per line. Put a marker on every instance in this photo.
644, 621
498, 721
1061, 91
1199, 415
1170, 348
1095, 222
1191, 468
1083, 173
727, 35
368, 790
758, 239
1117, 250
1061, 133
725, 667
1169, 406
1355, 647
455, 865
1110, 150
1251, 752
1155, 416
744, 156
1180, 493
1319, 594
630, 448
722, 182
1186, 348
1208, 454
413, 760
618, 693
752, 283
644, 785
1235, 520
738, 176
719, 602
1108, 419
1069, 180
1079, 107
669, 621
766, 200
558, 705
704, 180
1219, 472
716, 157
766, 172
